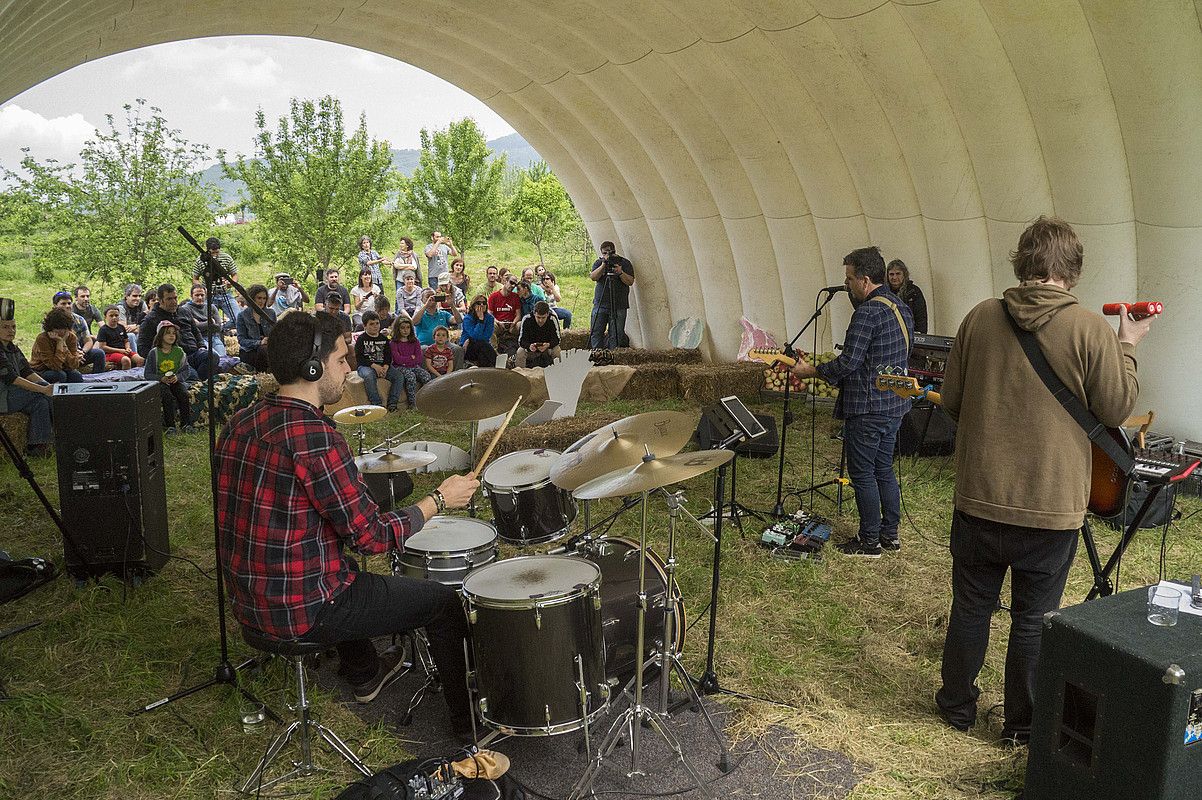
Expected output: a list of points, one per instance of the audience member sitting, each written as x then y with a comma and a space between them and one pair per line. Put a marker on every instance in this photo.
384, 310
440, 358
429, 316
374, 359
539, 271
55, 354
254, 325
478, 328
459, 278
538, 341
23, 391
151, 298
404, 261
506, 308
131, 311
409, 359
898, 276
89, 354
454, 299
492, 280
330, 285
168, 365
554, 298
82, 305
334, 305
363, 297
114, 341
286, 294
527, 298
529, 277
370, 260
409, 296
206, 317
189, 336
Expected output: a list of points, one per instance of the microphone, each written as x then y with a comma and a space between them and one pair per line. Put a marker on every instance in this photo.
835, 289
1135, 310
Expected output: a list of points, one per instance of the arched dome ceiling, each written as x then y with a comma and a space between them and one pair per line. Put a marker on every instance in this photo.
737, 149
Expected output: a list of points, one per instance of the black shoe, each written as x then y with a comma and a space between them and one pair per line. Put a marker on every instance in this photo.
391, 667
857, 548
892, 545
957, 724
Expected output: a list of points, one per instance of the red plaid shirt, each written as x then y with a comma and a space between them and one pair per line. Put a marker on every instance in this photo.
289, 500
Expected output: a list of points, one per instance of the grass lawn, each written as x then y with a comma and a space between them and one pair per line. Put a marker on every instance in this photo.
844, 653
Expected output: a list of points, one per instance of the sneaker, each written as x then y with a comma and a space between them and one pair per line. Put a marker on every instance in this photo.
856, 548
391, 667
892, 545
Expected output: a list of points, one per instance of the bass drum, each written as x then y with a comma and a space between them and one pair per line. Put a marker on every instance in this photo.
618, 560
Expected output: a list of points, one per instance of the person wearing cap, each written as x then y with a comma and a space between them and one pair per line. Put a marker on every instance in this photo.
286, 294
89, 354
334, 306
454, 295
167, 365
222, 297
24, 391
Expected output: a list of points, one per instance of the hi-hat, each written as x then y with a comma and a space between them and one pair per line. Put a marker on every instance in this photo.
390, 461
472, 394
652, 473
622, 444
360, 415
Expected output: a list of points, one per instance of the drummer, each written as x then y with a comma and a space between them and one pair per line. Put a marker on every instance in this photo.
290, 502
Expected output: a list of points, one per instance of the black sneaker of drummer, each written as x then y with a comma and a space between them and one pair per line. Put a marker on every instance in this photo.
391, 666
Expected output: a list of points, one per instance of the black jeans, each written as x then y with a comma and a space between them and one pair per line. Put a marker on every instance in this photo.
175, 398
982, 551
379, 605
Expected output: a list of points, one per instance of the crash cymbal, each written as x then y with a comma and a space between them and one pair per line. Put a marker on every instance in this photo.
394, 461
652, 474
622, 444
472, 394
360, 415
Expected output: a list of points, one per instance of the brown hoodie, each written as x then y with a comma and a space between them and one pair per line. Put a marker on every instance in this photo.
1020, 457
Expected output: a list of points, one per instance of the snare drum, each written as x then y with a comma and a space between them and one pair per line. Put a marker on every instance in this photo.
536, 632
527, 507
447, 549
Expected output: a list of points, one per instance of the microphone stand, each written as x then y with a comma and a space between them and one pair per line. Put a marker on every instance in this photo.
778, 510
225, 672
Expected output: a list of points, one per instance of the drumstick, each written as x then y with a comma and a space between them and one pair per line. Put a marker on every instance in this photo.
497, 437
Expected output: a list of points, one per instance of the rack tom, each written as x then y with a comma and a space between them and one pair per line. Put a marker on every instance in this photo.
527, 507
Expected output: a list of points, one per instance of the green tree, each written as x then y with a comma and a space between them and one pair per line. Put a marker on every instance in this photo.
540, 208
113, 217
456, 186
313, 189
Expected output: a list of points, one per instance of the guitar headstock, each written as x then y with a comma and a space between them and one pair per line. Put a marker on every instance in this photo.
889, 379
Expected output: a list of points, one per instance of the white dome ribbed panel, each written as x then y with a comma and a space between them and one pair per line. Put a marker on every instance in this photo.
737, 149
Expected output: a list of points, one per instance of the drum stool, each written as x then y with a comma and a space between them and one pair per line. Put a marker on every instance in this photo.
304, 727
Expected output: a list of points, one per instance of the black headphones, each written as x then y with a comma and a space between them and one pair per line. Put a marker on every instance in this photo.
311, 367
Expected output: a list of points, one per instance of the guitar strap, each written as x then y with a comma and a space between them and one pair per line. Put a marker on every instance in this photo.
1092, 426
901, 321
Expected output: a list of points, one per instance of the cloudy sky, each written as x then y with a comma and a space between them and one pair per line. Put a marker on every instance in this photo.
209, 90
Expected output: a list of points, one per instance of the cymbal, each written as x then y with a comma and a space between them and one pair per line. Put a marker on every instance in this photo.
359, 415
394, 461
652, 474
621, 444
472, 394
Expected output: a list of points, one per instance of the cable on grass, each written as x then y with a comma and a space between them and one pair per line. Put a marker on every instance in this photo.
129, 512
902, 496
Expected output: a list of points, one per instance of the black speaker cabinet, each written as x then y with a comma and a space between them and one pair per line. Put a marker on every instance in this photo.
108, 438
926, 430
1118, 705
763, 446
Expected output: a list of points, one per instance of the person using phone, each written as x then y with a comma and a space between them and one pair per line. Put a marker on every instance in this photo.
286, 294
614, 275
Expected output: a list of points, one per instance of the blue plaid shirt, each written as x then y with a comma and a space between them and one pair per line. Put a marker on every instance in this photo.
873, 340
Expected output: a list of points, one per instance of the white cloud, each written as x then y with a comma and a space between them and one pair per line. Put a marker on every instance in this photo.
53, 137
221, 63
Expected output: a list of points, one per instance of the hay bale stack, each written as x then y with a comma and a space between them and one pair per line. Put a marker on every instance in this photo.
652, 382
574, 339
16, 425
538, 386
634, 356
707, 383
558, 434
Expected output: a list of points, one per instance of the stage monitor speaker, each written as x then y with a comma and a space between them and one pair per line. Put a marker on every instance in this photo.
926, 430
108, 439
763, 446
1118, 705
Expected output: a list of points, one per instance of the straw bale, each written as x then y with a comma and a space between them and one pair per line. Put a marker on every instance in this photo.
558, 434
638, 355
706, 383
574, 339
16, 425
538, 386
652, 382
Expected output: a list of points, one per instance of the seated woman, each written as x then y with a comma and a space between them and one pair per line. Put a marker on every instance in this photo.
477, 334
55, 354
363, 297
898, 277
24, 391
551, 292
254, 324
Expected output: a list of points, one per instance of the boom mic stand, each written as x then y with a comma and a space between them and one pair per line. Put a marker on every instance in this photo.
778, 510
225, 672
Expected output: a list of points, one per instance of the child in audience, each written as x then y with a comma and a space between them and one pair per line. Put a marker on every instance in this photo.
408, 358
151, 298
114, 341
375, 362
55, 354
409, 296
440, 358
384, 310
166, 364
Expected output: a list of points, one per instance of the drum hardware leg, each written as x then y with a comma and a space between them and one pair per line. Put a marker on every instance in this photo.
584, 695
471, 692
420, 657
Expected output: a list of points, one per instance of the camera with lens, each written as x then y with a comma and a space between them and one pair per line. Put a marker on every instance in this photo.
440, 297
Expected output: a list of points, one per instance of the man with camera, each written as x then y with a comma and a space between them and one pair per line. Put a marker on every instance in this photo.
437, 254
614, 275
222, 296
286, 294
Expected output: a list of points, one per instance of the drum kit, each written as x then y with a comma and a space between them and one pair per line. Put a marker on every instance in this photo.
559, 639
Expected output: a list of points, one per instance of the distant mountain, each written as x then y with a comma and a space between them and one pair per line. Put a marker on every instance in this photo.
517, 150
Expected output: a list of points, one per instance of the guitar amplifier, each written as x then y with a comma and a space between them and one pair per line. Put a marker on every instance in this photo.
928, 357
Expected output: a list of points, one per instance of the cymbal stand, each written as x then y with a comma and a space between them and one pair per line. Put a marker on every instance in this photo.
667, 658
636, 714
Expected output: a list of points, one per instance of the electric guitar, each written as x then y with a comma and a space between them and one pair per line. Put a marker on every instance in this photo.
1108, 482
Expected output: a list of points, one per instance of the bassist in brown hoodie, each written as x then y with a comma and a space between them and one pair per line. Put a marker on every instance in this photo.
1022, 463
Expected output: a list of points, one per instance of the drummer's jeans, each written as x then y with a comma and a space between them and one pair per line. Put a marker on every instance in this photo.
379, 605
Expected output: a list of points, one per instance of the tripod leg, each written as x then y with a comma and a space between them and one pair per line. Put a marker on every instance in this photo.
723, 751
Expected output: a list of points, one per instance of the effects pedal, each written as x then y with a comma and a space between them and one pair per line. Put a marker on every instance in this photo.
801, 537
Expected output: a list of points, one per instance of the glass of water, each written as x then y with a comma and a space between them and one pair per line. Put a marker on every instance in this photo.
252, 715
1163, 603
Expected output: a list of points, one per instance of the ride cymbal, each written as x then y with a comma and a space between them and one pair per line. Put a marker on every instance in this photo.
472, 394
652, 474
622, 444
360, 415
390, 461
